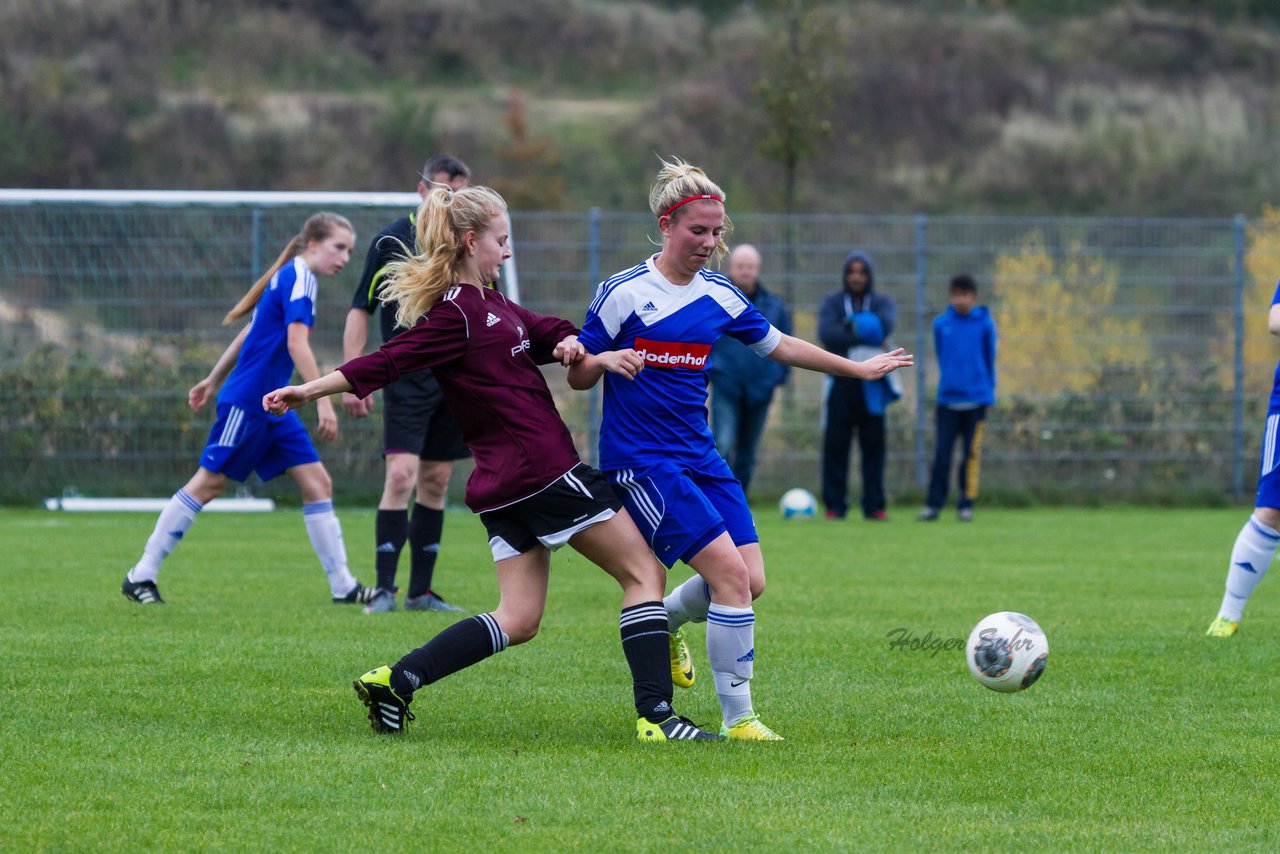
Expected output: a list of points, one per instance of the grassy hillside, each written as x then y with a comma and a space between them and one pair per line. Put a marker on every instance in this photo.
1081, 107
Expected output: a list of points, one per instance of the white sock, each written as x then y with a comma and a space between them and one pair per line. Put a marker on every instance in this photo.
326, 538
1254, 549
731, 650
688, 603
174, 522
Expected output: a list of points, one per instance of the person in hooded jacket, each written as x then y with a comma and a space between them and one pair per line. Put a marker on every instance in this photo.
964, 339
856, 321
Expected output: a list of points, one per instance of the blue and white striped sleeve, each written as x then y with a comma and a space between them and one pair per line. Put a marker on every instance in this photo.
301, 307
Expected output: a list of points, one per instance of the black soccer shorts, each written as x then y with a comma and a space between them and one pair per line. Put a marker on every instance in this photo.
572, 502
416, 420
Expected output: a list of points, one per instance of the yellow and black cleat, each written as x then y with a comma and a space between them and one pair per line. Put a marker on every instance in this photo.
674, 728
388, 711
682, 674
1222, 628
750, 728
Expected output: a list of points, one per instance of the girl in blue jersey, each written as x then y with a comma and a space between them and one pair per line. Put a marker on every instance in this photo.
245, 439
649, 332
1256, 544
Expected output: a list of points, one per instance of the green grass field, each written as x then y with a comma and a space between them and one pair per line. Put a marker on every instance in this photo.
225, 720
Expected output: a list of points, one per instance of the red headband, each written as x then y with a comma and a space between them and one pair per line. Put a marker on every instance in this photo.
688, 199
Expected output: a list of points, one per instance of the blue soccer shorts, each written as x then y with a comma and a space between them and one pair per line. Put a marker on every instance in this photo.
680, 510
244, 441
1269, 472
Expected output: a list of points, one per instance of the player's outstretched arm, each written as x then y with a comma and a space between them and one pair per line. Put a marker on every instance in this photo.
801, 354
588, 370
202, 391
281, 400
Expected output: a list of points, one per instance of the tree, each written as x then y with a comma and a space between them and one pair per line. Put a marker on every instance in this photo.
793, 94
793, 98
1059, 309
1260, 266
531, 175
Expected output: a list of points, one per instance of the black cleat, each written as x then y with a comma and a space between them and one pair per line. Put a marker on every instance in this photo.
388, 711
359, 596
142, 592
674, 728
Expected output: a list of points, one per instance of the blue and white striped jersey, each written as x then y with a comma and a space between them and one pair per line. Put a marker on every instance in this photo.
264, 363
1274, 406
662, 413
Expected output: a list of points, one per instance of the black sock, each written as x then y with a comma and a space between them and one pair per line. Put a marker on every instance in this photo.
425, 527
391, 528
645, 642
463, 644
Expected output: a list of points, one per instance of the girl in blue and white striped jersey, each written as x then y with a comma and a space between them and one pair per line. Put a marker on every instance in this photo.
1256, 544
649, 332
245, 439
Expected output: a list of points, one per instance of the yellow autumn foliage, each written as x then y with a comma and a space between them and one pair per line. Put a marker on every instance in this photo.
1056, 321
1262, 269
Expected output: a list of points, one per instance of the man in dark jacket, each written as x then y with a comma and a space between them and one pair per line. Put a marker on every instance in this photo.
742, 384
855, 322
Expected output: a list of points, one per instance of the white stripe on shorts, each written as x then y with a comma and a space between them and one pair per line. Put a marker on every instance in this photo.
501, 549
626, 479
559, 538
577, 484
231, 429
1269, 445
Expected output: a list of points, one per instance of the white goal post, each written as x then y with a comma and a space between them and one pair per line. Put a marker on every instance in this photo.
78, 504
37, 201
238, 198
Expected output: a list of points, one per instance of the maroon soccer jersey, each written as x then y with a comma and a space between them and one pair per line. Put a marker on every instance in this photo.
485, 351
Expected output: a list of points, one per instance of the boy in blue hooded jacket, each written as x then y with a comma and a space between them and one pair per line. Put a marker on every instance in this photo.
964, 338
855, 322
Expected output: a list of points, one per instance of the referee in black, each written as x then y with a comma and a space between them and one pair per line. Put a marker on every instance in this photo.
421, 439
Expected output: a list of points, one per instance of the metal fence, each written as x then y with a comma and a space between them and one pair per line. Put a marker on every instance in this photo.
1133, 360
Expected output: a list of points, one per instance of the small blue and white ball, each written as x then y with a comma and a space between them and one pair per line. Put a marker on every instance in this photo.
798, 504
1007, 651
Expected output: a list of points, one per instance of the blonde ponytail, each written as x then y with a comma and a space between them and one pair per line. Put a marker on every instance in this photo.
678, 182
418, 282
318, 227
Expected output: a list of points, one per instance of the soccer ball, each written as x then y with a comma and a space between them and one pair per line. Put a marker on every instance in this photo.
1007, 651
798, 504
